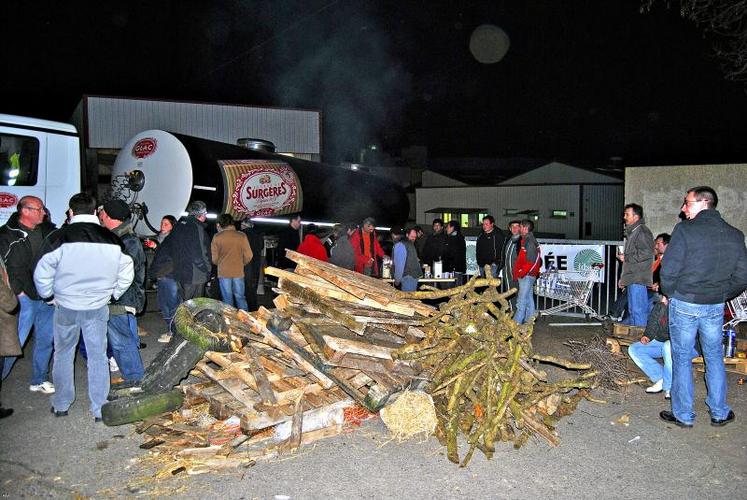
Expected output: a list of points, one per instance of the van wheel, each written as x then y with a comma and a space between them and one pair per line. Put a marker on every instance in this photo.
171, 365
131, 409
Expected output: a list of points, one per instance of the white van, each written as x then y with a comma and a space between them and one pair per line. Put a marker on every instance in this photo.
39, 158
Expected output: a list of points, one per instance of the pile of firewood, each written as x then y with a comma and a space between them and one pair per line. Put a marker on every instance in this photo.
337, 347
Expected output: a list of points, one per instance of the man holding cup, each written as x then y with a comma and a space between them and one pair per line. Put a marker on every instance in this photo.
637, 257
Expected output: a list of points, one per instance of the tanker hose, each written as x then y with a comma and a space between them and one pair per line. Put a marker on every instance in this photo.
144, 216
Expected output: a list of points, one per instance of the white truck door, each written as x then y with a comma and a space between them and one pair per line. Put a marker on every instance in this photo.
23, 156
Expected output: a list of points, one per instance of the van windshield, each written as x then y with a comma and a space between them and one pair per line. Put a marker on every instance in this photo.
19, 160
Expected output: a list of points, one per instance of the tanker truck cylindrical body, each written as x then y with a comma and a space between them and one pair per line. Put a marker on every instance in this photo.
178, 169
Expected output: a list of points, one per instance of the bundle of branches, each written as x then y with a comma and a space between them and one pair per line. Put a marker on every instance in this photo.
483, 371
612, 370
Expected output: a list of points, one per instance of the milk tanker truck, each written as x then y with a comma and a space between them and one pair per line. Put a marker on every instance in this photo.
160, 173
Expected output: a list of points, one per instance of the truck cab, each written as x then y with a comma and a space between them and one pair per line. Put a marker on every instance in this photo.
39, 158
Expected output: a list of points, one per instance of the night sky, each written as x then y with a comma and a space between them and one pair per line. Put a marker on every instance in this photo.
582, 81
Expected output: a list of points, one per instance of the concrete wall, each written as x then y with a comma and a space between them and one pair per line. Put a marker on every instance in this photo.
660, 190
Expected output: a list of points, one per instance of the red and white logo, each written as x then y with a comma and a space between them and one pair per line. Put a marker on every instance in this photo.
265, 191
144, 147
8, 200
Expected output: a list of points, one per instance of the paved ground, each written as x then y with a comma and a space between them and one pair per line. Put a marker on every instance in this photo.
41, 455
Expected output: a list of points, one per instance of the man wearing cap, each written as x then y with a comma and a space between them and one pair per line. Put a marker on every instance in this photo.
83, 266
122, 326
367, 248
21, 241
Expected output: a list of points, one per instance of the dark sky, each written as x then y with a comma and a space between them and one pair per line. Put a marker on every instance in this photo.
582, 81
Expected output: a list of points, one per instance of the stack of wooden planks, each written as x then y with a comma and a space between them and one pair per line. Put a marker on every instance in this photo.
297, 373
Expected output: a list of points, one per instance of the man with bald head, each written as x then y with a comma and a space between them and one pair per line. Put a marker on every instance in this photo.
20, 244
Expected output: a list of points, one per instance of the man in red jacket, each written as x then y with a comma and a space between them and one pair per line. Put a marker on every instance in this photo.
526, 270
367, 248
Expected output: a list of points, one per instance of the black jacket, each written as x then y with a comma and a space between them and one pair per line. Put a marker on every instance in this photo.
705, 261
489, 248
288, 238
433, 249
135, 295
19, 258
455, 253
186, 252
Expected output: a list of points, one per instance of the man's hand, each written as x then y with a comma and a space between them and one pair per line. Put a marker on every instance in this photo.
664, 300
645, 340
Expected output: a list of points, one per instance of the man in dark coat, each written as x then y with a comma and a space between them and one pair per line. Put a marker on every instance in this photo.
21, 241
289, 238
455, 249
433, 248
704, 266
253, 269
122, 325
489, 249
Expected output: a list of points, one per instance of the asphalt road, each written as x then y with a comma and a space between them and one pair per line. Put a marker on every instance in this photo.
44, 456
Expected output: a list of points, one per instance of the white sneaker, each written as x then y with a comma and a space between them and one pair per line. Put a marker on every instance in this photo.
46, 387
165, 338
657, 387
113, 366
667, 395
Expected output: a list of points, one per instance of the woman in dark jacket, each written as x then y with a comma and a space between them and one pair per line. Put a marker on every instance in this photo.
455, 249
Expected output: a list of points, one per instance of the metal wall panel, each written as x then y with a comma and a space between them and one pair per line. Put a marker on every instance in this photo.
112, 121
603, 208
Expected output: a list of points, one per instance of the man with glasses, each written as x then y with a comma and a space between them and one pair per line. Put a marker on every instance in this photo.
704, 266
20, 245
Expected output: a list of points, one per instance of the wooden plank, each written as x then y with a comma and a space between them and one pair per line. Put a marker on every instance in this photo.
358, 347
312, 297
260, 376
275, 340
234, 387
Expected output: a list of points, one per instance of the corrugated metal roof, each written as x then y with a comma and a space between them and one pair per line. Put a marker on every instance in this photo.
109, 122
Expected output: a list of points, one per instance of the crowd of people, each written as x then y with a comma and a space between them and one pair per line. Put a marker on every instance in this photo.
676, 288
88, 279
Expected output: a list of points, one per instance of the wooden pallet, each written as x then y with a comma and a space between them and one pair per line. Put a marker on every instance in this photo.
733, 365
262, 394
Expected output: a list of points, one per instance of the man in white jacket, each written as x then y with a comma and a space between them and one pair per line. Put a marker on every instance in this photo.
83, 266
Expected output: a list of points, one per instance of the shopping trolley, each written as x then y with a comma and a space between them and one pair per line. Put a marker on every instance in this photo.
738, 309
570, 288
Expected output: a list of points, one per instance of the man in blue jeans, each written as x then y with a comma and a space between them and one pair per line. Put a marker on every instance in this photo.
83, 266
407, 270
122, 326
21, 240
637, 259
704, 266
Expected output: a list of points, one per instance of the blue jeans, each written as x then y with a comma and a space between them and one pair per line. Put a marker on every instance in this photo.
646, 355
525, 300
409, 284
686, 321
168, 299
124, 341
39, 315
68, 325
232, 291
638, 305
